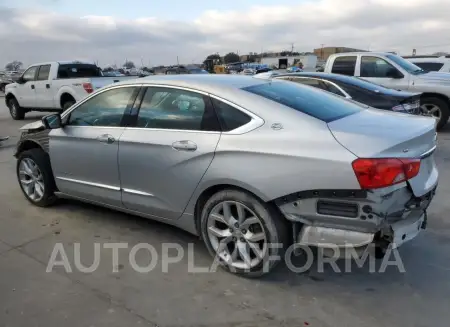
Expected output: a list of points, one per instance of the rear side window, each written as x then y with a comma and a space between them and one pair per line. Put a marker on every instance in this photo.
344, 65
44, 72
316, 103
230, 118
78, 71
430, 66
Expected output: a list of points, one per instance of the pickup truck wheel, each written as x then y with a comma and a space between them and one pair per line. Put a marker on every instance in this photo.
35, 177
245, 235
16, 111
67, 105
437, 108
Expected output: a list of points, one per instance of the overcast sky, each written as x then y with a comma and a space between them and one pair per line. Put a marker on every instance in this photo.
156, 32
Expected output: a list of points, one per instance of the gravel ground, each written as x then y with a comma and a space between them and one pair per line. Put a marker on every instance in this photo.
29, 296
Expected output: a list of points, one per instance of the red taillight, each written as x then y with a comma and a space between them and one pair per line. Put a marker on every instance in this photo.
88, 87
376, 173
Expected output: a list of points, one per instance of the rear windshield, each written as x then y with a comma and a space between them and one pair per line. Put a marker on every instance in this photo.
309, 100
78, 71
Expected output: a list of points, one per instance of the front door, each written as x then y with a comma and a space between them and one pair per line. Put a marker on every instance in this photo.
25, 91
44, 92
84, 152
163, 158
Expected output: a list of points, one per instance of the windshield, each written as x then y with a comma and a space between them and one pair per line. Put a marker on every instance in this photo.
406, 65
309, 100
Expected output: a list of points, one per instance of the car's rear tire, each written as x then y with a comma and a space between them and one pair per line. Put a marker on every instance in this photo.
436, 107
35, 177
245, 235
15, 110
66, 105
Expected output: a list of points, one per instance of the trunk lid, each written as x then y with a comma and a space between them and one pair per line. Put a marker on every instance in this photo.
374, 133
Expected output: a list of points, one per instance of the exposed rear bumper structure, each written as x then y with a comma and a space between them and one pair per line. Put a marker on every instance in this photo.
354, 219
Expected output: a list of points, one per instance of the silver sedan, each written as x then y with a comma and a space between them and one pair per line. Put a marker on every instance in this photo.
245, 163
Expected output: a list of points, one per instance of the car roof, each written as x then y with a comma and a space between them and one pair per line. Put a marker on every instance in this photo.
367, 53
327, 76
210, 83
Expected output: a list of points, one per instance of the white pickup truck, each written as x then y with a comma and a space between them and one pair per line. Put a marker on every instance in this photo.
54, 86
395, 72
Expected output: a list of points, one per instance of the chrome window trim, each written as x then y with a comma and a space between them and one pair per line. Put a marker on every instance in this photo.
254, 123
345, 94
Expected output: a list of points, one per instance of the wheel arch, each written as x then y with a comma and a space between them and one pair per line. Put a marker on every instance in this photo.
435, 95
207, 192
64, 97
10, 96
28, 145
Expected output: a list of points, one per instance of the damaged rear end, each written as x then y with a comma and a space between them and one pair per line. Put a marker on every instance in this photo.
398, 177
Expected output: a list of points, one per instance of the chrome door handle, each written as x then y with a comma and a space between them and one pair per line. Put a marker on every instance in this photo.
184, 146
106, 138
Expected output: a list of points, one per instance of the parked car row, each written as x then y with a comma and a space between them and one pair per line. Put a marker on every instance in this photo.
251, 165
397, 73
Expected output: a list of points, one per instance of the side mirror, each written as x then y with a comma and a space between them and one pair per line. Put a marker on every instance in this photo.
394, 73
20, 80
52, 121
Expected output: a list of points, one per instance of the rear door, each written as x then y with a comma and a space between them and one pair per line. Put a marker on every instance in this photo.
344, 65
163, 157
44, 92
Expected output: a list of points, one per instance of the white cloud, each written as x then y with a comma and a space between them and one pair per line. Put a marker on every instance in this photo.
400, 25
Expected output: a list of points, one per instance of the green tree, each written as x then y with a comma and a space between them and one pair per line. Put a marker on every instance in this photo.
215, 57
231, 57
129, 64
14, 65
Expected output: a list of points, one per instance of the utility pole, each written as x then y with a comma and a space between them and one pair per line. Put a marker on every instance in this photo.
178, 63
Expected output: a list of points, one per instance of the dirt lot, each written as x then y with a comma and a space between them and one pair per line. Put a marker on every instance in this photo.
29, 296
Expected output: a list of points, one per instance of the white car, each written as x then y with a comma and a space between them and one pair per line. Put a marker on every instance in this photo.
395, 72
54, 86
431, 63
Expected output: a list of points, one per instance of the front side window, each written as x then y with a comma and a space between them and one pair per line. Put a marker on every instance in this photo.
104, 109
30, 74
168, 108
344, 65
230, 118
375, 67
316, 103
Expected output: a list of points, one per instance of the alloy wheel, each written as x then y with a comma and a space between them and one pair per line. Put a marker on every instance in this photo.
237, 235
431, 110
31, 179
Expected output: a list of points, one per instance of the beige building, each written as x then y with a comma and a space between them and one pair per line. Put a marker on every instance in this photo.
325, 52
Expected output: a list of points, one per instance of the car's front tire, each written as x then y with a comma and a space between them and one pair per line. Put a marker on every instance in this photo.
245, 235
35, 177
15, 110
